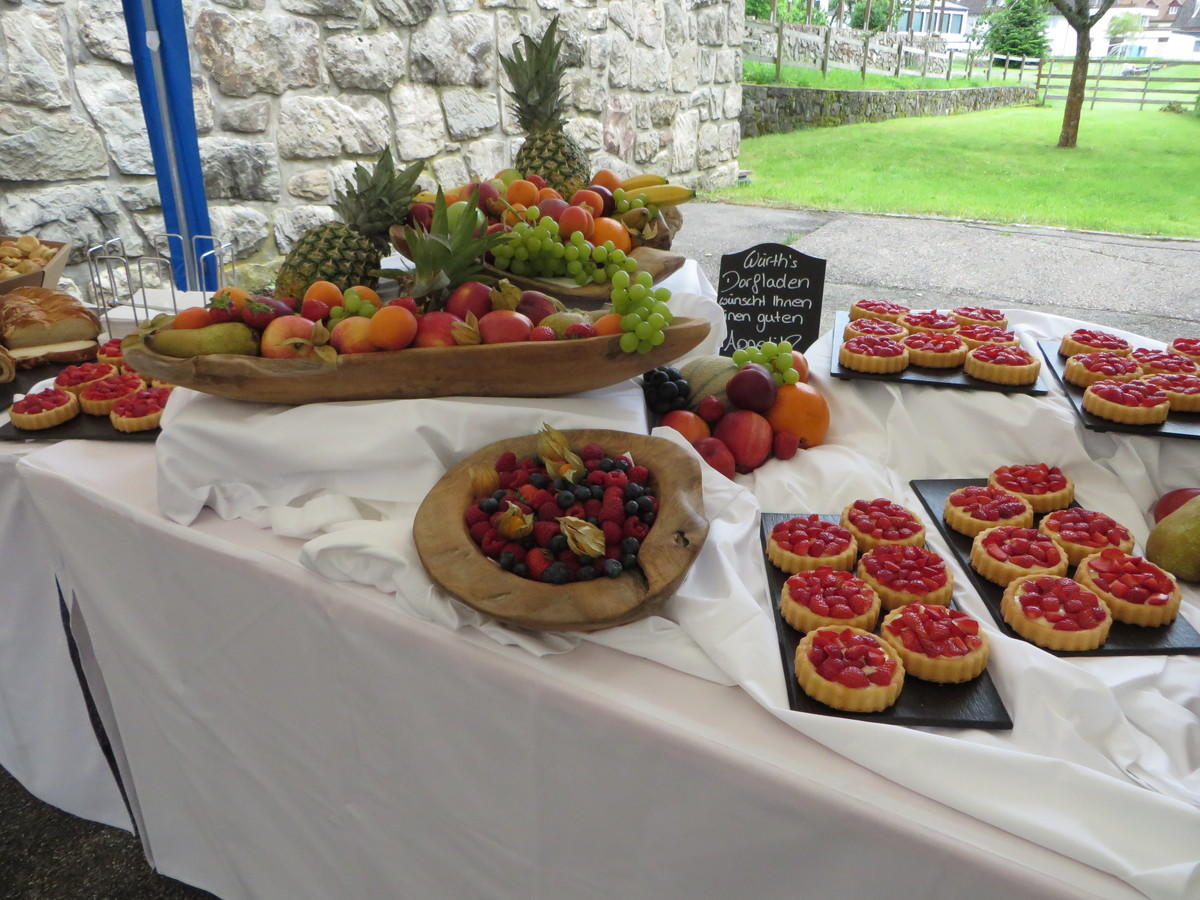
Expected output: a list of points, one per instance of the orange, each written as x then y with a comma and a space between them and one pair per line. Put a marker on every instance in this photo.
365, 293
192, 317
235, 295
606, 178
800, 409
607, 229
326, 291
392, 328
549, 194
523, 192
608, 324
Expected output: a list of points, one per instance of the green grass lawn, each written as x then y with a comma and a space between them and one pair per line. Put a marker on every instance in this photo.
1132, 172
1164, 78
850, 79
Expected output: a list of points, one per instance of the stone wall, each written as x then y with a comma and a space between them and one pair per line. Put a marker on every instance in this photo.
290, 93
767, 109
804, 45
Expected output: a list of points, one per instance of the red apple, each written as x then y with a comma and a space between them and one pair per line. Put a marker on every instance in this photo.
407, 302
752, 388
748, 436
800, 364
433, 330
504, 326
420, 215
350, 335
690, 425
489, 197
287, 337
717, 455
537, 306
1171, 501
470, 296
537, 180
786, 444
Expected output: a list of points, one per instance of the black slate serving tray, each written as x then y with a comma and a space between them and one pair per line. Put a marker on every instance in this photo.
1123, 640
947, 378
1178, 424
26, 378
975, 704
82, 427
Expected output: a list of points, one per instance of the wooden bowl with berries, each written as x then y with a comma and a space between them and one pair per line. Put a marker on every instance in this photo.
549, 540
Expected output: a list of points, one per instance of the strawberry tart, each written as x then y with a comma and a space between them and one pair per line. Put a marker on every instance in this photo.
1056, 613
877, 327
75, 378
878, 355
139, 411
110, 352
878, 309
45, 409
1089, 340
979, 315
1046, 487
975, 508
880, 521
1081, 532
848, 669
1164, 362
935, 350
1189, 347
1002, 364
99, 397
828, 596
902, 573
809, 542
1135, 590
1128, 402
936, 643
929, 320
1006, 552
1183, 391
1083, 369
974, 335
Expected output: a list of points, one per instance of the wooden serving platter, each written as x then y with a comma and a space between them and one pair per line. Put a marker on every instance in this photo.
455, 563
526, 369
659, 263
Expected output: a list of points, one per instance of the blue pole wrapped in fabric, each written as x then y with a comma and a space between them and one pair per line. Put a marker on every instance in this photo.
158, 43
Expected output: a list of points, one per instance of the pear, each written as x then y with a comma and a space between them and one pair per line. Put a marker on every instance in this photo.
225, 337
561, 321
1174, 543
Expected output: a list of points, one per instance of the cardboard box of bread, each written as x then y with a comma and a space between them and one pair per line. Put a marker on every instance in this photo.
39, 325
27, 261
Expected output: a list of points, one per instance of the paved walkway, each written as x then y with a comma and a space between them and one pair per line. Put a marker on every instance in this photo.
1144, 285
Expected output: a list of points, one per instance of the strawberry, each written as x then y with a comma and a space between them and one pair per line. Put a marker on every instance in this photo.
543, 333
785, 445
538, 561
315, 310
258, 315
541, 497
527, 492
544, 531
222, 309
580, 330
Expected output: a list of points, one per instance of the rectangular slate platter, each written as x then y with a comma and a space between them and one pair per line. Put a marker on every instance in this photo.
947, 378
1178, 424
974, 704
1123, 640
82, 427
27, 378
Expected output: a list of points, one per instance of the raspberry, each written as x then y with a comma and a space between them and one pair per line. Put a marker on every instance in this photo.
591, 464
516, 550
591, 451
530, 464
592, 508
540, 497
635, 527
612, 509
507, 462
616, 479
639, 474
479, 529
575, 510
544, 531
597, 477
538, 562
475, 514
549, 511
506, 480
565, 556
612, 532
613, 552
493, 543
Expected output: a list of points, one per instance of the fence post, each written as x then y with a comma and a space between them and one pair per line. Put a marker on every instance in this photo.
866, 54
899, 55
1037, 84
1007, 58
1021, 71
1146, 87
779, 54
1096, 89
991, 64
925, 64
825, 52
949, 64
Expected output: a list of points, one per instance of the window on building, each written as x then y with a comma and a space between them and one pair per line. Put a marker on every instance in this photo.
1136, 51
902, 25
1196, 47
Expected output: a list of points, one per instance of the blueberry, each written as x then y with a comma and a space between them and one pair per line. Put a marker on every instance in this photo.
597, 492
507, 560
583, 492
633, 490
561, 484
499, 495
649, 517
586, 573
538, 480
521, 569
489, 505
630, 545
632, 508
556, 573
621, 464
613, 568
558, 544
565, 499
605, 465
583, 559
592, 520
629, 561
644, 504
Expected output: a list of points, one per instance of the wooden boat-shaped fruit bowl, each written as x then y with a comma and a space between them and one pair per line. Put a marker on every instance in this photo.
659, 263
455, 563
524, 369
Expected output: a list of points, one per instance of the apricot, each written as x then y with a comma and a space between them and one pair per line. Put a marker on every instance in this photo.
392, 328
576, 218
325, 291
235, 295
522, 192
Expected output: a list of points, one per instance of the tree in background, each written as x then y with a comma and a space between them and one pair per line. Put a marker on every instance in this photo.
1018, 29
1123, 26
1081, 18
785, 11
879, 15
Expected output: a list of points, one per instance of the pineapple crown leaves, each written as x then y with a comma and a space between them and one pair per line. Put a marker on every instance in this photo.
380, 197
448, 254
535, 70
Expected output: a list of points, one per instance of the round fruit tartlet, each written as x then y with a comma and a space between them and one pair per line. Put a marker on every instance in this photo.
1129, 402
1081, 532
1189, 347
877, 327
979, 315
1046, 487
1002, 364
929, 320
877, 309
828, 596
935, 350
1087, 368
1056, 613
975, 335
139, 411
110, 352
1164, 362
880, 521
809, 542
848, 669
1183, 391
879, 355
45, 409
977, 507
936, 643
901, 573
1135, 590
98, 397
1006, 552
75, 378
1090, 340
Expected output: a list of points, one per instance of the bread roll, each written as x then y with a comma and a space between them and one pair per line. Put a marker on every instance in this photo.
33, 316
8, 367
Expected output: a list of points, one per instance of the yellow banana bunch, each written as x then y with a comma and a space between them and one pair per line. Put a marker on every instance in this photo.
642, 181
666, 194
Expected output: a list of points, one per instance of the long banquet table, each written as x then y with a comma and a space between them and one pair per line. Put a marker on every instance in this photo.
282, 734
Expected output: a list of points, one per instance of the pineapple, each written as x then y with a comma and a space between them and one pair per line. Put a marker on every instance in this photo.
347, 252
536, 73
446, 255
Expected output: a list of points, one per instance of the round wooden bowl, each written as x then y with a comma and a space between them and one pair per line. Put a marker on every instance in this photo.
525, 369
455, 563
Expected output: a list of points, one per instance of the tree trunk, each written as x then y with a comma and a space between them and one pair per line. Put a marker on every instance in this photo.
912, 17
942, 19
808, 13
1077, 89
867, 17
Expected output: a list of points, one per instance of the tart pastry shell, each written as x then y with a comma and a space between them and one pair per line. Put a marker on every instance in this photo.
1078, 374
998, 374
893, 599
1005, 573
852, 331
1039, 632
793, 562
802, 618
1041, 503
138, 423
868, 542
932, 359
47, 418
972, 343
1070, 346
1131, 613
941, 669
1127, 415
857, 312
878, 365
964, 523
967, 320
874, 698
1076, 553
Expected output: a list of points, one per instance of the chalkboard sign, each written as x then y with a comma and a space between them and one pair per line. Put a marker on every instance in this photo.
771, 292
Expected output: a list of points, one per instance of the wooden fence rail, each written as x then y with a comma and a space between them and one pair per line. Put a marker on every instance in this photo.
1133, 76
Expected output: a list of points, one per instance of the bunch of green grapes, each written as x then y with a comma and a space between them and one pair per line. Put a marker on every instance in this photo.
775, 357
643, 310
623, 203
535, 248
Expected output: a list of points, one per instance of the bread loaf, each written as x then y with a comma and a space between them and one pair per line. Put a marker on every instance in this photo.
33, 316
63, 352
8, 367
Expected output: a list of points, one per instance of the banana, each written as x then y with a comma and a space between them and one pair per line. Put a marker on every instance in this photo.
666, 194
424, 197
641, 181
